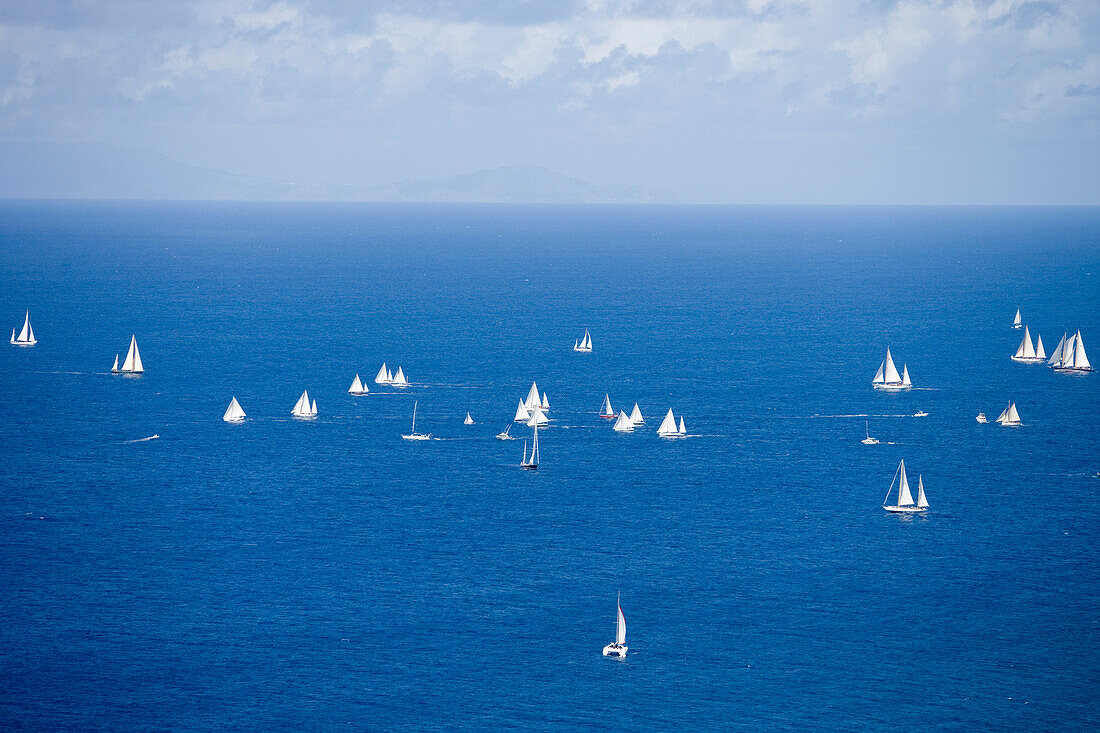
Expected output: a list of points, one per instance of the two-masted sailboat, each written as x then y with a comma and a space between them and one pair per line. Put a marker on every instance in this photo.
1030, 353
26, 336
1069, 355
584, 345
383, 376
133, 364
1009, 417
531, 463
398, 379
357, 387
618, 648
304, 408
905, 498
413, 435
668, 428
235, 413
887, 377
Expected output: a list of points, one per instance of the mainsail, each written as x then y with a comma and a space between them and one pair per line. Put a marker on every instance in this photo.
383, 376
234, 413
522, 414
624, 424
620, 625
922, 502
668, 425
636, 415
533, 399
133, 358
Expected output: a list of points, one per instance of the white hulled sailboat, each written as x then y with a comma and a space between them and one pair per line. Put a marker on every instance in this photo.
585, 344
413, 435
868, 440
887, 377
624, 424
1070, 356
506, 434
538, 417
234, 413
905, 498
636, 415
303, 407
398, 379
1009, 417
533, 400
606, 411
469, 420
618, 648
133, 364
357, 387
667, 428
26, 336
1026, 352
1017, 321
522, 413
383, 376
531, 463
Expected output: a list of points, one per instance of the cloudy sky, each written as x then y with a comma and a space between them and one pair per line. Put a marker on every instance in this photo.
772, 101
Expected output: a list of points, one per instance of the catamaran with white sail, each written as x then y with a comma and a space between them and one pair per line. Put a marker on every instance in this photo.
413, 435
383, 376
26, 335
357, 387
618, 648
905, 498
1070, 357
585, 344
133, 364
887, 377
531, 463
235, 413
1029, 353
1009, 417
624, 424
606, 411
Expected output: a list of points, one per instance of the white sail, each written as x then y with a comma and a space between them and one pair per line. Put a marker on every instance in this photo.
904, 497
1056, 355
114, 367
1012, 415
383, 376
545, 402
620, 626
1068, 352
576, 345
26, 335
682, 430
313, 409
522, 414
891, 375
301, 407
234, 412
1025, 350
668, 425
1004, 412
1016, 321
357, 386
636, 415
535, 447
133, 358
1080, 360
624, 424
1039, 352
399, 379
538, 417
878, 375
533, 399
469, 420
606, 409
587, 340
905, 375
922, 502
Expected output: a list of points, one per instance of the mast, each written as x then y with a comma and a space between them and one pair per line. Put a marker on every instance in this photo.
415, 403
535, 447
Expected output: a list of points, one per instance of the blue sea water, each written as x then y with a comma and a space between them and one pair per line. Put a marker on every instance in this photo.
284, 574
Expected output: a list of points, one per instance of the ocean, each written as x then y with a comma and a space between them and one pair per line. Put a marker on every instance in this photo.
285, 574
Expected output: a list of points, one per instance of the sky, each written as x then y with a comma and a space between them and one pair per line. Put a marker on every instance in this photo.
750, 101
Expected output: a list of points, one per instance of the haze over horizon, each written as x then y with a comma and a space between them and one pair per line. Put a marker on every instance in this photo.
774, 102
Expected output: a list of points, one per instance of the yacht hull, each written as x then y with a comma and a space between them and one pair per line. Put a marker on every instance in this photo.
615, 650
905, 509
892, 387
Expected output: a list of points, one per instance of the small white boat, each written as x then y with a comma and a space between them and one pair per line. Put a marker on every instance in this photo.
667, 428
303, 408
618, 648
606, 411
981, 418
867, 431
1027, 352
920, 413
506, 435
887, 377
399, 379
585, 344
538, 417
383, 376
905, 499
133, 364
234, 413
636, 416
413, 435
1009, 417
357, 387
531, 463
624, 424
522, 413
1070, 356
1017, 321
469, 420
26, 336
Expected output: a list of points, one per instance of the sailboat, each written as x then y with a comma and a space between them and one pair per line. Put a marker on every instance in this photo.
26, 336
668, 427
303, 407
531, 463
636, 415
1009, 417
383, 376
506, 434
887, 377
469, 420
234, 413
606, 411
522, 413
1026, 352
538, 417
1070, 356
357, 387
905, 499
533, 400
415, 435
1016, 321
618, 648
624, 424
398, 379
545, 403
682, 431
585, 344
868, 440
133, 364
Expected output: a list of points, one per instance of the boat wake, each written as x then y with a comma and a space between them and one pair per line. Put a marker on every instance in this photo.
141, 440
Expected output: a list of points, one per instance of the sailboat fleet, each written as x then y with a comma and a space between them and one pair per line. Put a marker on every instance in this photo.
26, 334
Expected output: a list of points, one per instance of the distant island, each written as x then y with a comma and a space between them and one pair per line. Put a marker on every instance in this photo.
75, 171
